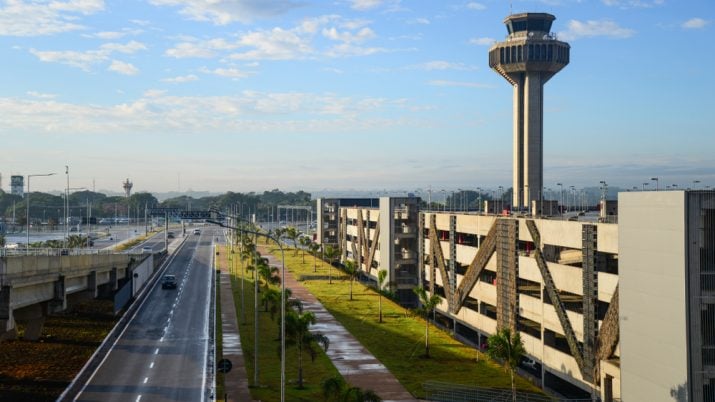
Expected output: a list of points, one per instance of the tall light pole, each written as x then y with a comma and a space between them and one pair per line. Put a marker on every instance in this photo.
283, 292
27, 212
656, 182
67, 204
561, 197
695, 184
645, 184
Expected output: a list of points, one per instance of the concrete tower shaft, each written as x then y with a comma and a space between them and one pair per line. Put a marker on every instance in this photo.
528, 58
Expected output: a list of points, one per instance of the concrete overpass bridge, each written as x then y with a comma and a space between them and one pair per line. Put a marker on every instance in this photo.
36, 285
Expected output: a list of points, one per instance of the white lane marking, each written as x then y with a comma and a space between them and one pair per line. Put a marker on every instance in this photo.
151, 365
146, 379
139, 398
156, 352
162, 338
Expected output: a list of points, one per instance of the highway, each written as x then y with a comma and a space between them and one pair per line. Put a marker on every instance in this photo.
163, 355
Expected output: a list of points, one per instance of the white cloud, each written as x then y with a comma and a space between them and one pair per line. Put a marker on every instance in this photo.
127, 48
111, 35
123, 68
249, 112
276, 44
233, 73
35, 18
222, 12
695, 23
485, 41
462, 84
181, 79
285, 44
421, 21
346, 50
441, 65
86, 59
363, 5
349, 37
41, 95
625, 4
605, 28
200, 49
476, 6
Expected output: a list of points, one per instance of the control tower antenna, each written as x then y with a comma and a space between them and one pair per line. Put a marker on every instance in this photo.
528, 58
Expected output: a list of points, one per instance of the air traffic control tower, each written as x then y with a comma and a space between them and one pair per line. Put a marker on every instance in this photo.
529, 57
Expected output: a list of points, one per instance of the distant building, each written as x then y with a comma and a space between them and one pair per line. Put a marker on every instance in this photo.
384, 237
328, 214
17, 185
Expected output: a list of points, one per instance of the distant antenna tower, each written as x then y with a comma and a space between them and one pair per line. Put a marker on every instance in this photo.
127, 188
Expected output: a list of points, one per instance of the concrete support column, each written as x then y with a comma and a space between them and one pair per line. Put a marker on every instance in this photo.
7, 324
32, 318
533, 162
518, 158
59, 301
113, 279
92, 283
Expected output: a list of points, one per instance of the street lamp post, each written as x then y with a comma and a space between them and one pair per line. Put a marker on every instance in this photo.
645, 184
561, 197
27, 212
283, 301
656, 182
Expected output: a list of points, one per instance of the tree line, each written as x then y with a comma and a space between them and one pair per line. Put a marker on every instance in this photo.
50, 208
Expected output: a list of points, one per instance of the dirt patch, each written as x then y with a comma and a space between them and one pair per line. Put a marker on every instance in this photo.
41, 370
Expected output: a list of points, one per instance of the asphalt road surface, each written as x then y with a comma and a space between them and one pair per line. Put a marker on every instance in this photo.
163, 355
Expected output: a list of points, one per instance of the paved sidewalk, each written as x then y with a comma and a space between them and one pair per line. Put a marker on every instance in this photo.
358, 366
235, 381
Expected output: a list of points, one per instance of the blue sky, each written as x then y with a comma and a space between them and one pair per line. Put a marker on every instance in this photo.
367, 94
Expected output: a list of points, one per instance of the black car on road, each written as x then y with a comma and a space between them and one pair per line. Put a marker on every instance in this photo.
168, 282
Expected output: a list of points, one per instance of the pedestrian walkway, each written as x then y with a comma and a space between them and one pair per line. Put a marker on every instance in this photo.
358, 366
235, 381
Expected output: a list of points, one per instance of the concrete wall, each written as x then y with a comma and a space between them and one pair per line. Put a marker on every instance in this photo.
653, 324
36, 281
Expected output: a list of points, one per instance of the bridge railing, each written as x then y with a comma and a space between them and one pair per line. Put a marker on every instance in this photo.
54, 252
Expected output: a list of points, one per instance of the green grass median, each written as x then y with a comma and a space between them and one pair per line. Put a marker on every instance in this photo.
398, 342
268, 387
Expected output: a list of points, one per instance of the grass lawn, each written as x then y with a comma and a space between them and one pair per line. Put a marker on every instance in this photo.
398, 342
269, 349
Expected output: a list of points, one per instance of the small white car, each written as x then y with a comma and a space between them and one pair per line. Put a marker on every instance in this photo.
147, 250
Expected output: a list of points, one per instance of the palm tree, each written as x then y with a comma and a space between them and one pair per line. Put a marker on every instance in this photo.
352, 270
508, 348
305, 243
331, 253
76, 241
298, 334
271, 297
267, 273
381, 276
336, 390
314, 248
427, 304
292, 233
